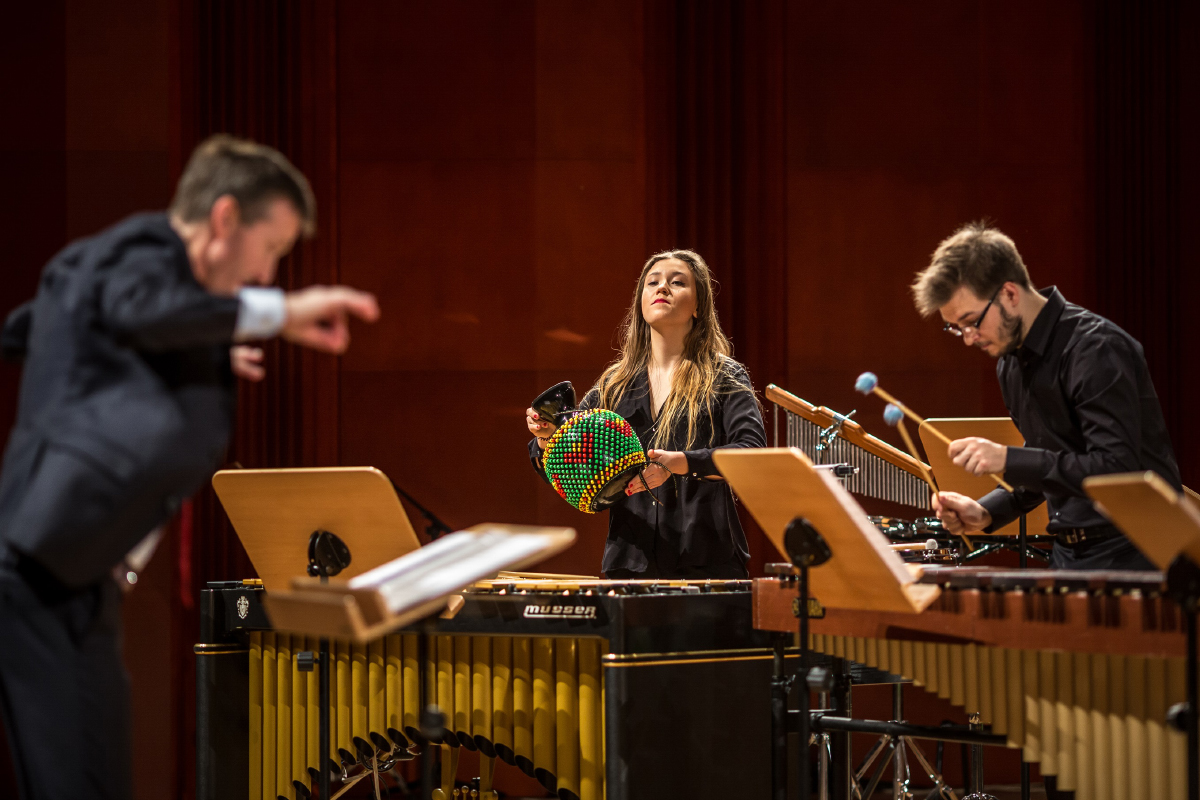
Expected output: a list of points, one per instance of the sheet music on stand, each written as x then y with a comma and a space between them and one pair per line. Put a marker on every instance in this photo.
412, 586
457, 560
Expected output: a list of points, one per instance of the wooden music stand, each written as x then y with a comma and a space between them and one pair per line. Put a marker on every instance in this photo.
1162, 522
1165, 526
779, 484
951, 478
814, 522
275, 511
348, 521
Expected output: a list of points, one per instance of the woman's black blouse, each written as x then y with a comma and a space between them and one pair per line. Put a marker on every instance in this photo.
696, 526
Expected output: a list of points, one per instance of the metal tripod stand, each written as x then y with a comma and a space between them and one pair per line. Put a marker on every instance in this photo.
896, 750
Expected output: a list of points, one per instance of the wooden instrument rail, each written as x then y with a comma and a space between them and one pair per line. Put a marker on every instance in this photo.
1077, 670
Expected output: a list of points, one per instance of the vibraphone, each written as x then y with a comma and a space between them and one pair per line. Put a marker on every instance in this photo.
598, 689
1077, 669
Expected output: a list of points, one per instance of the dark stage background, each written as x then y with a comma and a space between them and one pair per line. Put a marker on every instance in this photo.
497, 172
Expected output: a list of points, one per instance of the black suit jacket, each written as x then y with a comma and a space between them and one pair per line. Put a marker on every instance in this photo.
126, 399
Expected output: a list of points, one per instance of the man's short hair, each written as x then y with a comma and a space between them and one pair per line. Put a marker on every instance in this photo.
976, 256
251, 173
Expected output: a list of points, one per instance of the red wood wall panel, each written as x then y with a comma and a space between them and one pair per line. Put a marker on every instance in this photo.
492, 195
904, 123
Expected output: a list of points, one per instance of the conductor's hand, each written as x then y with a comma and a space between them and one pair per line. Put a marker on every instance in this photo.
674, 461
539, 427
979, 456
247, 362
317, 316
959, 513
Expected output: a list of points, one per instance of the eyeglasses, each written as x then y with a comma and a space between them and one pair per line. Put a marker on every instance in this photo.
960, 331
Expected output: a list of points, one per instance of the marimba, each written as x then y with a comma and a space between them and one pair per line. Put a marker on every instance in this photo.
1076, 669
599, 689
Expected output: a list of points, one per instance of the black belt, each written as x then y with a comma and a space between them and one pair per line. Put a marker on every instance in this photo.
1079, 535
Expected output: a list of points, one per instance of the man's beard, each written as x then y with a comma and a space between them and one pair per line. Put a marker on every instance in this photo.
1013, 328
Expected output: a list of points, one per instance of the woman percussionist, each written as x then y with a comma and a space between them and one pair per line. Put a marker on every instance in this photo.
677, 385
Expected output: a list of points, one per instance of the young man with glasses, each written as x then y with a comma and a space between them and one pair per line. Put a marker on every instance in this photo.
1076, 385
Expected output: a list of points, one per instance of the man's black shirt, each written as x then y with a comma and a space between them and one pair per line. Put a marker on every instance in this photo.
1079, 390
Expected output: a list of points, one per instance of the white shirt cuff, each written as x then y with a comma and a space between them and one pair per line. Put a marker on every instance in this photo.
261, 313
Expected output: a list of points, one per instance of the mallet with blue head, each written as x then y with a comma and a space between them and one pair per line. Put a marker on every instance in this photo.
868, 383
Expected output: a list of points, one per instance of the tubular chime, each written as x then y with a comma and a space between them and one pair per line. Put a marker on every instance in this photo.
884, 472
1077, 670
532, 702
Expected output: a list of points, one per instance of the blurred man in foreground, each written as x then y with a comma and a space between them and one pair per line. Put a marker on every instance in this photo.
126, 405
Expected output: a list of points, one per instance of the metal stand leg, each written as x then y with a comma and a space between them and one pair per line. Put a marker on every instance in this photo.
976, 785
1022, 540
841, 767
780, 683
323, 725
900, 774
1026, 788
804, 720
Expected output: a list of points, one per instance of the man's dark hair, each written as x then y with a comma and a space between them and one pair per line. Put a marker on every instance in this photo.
976, 256
251, 173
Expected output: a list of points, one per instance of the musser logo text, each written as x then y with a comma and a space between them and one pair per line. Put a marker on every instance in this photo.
556, 611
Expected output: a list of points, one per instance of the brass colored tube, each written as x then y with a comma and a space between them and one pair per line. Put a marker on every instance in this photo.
256, 714
358, 678
566, 725
345, 698
394, 657
299, 716
283, 730
1014, 717
461, 721
445, 682
1135, 727
502, 698
1032, 715
481, 694
270, 715
544, 740
1156, 724
312, 707
591, 741
377, 699
522, 671
410, 681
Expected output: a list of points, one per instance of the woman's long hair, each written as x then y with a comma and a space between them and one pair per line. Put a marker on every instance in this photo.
701, 374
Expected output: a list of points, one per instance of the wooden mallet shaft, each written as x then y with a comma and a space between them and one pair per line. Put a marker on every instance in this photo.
912, 449
868, 383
